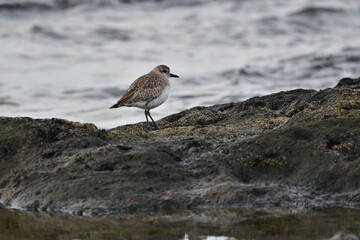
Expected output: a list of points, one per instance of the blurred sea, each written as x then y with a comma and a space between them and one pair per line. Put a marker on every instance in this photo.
73, 58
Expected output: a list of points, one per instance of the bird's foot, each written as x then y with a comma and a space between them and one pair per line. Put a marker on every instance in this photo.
151, 126
156, 127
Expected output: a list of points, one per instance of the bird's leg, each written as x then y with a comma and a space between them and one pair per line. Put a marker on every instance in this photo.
156, 126
147, 120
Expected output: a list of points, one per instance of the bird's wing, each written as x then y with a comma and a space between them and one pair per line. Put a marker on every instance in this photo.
139, 90
125, 98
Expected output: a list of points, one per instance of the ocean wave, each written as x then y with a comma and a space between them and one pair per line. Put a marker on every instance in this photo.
6, 101
53, 5
304, 68
42, 5
47, 31
113, 33
315, 11
24, 6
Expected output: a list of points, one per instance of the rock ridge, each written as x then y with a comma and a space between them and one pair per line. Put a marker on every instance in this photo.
292, 148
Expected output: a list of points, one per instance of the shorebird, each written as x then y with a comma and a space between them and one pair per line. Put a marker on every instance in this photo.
148, 91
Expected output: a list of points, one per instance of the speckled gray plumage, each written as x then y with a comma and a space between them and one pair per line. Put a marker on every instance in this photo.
146, 88
148, 91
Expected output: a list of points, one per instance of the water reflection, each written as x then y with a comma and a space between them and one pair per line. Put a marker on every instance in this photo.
265, 224
186, 237
218, 238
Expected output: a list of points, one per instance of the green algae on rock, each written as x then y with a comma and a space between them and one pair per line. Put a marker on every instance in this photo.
299, 147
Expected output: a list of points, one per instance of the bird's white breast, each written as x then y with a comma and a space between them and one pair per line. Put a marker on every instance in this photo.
159, 100
153, 103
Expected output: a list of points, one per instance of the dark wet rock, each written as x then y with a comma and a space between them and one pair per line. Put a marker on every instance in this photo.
348, 83
300, 147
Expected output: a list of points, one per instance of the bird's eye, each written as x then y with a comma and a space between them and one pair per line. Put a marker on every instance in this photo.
164, 71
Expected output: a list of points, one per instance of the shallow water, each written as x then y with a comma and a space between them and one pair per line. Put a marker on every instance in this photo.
253, 224
73, 59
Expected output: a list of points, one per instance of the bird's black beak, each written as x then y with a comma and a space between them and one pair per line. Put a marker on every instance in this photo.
173, 75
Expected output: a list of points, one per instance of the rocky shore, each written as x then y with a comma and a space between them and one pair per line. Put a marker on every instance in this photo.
294, 148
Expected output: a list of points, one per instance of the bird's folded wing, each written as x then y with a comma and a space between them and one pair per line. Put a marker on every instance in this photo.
142, 89
127, 97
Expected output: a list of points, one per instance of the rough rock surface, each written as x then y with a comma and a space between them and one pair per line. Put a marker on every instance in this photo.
300, 147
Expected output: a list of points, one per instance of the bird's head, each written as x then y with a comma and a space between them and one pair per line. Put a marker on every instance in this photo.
164, 71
